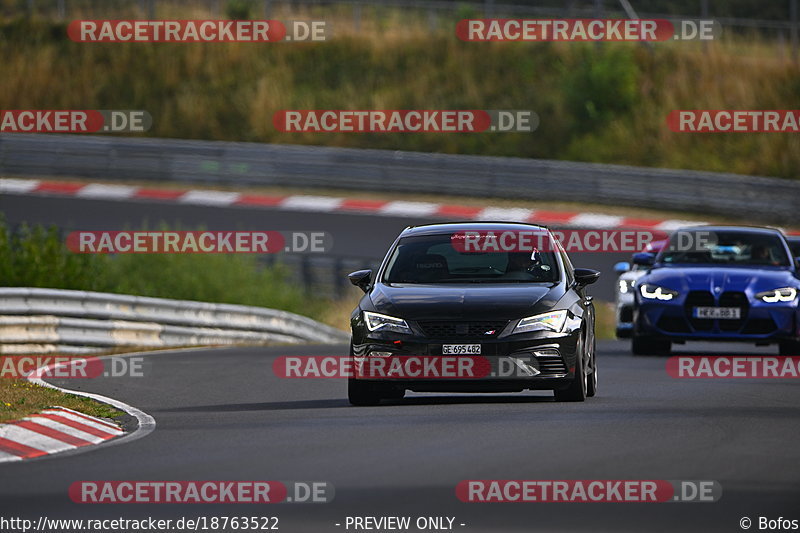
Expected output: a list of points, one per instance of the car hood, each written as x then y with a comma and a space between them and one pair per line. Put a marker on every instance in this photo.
720, 279
479, 302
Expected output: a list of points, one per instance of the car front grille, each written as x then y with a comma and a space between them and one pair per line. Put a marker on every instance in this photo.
442, 329
734, 299
699, 299
726, 299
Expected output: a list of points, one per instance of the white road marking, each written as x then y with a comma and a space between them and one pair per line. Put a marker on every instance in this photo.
596, 221
312, 203
414, 209
204, 197
18, 186
113, 192
507, 214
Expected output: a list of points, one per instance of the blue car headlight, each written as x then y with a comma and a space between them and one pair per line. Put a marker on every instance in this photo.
376, 321
786, 294
553, 321
654, 292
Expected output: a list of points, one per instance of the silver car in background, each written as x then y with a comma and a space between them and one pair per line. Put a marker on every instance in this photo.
623, 305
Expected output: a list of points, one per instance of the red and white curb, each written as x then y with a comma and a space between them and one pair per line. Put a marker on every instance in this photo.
59, 430
327, 204
53, 430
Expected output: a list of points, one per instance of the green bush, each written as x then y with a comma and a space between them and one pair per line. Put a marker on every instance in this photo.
38, 257
601, 83
238, 9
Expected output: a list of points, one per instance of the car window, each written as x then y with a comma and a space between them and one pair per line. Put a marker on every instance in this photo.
569, 270
434, 259
727, 247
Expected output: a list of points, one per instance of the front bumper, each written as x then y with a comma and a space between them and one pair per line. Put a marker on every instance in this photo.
540, 360
760, 322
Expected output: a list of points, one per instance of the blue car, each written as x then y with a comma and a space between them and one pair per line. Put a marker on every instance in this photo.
718, 283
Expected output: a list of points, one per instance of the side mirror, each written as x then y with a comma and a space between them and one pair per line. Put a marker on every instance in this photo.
361, 279
621, 267
644, 259
586, 276
797, 262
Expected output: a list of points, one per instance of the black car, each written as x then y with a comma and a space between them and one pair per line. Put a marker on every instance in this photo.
521, 312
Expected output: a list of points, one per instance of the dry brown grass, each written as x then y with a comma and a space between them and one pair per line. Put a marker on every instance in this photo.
396, 60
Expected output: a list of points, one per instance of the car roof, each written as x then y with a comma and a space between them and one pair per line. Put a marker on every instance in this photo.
453, 227
743, 229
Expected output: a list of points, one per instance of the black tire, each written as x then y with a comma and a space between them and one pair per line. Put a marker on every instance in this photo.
649, 346
789, 348
591, 385
578, 388
623, 333
361, 393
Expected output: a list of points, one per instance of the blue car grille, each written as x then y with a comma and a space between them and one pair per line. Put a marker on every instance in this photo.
699, 299
688, 324
734, 299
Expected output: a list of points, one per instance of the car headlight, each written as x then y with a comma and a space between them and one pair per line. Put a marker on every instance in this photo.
786, 294
654, 292
553, 321
376, 321
625, 286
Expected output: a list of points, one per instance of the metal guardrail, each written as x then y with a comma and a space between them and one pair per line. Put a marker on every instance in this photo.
36, 320
252, 164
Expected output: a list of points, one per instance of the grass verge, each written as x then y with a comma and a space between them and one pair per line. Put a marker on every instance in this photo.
19, 398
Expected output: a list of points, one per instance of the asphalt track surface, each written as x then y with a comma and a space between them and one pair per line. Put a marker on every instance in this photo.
354, 235
222, 414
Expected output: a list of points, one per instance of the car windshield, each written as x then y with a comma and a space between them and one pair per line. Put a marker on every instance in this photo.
434, 259
733, 248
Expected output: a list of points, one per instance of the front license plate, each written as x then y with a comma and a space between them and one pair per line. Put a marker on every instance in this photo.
461, 349
718, 313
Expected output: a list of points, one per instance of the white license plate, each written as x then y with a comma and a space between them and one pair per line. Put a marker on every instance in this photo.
718, 313
461, 349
